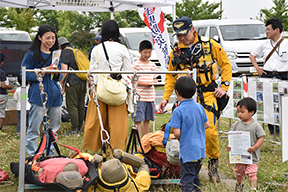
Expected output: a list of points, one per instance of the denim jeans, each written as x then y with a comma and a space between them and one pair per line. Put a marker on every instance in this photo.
35, 120
19, 120
189, 180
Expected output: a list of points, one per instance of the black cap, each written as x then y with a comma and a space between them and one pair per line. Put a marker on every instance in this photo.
182, 25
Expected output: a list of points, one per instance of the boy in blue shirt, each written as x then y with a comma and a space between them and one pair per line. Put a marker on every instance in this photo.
189, 121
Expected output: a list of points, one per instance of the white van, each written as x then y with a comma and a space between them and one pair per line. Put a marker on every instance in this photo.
13, 43
131, 37
13, 35
237, 37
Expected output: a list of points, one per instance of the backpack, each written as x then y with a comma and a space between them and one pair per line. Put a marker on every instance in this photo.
82, 62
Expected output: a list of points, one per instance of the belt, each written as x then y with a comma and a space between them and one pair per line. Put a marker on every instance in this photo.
196, 160
276, 72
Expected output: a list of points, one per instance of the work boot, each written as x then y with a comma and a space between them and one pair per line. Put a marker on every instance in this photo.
239, 187
212, 170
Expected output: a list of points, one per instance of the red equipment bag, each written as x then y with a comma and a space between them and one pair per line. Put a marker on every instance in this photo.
3, 175
159, 158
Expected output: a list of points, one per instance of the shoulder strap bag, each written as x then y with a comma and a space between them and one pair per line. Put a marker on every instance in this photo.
111, 91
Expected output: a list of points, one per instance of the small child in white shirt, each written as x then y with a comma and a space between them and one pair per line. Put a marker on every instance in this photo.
17, 99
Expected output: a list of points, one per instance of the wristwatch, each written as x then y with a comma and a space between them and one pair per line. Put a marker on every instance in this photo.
226, 83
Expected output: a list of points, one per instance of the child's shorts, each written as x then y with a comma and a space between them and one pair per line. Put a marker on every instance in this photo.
3, 103
144, 111
244, 169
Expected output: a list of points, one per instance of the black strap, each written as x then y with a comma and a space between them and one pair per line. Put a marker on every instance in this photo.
107, 57
46, 60
114, 187
134, 183
212, 109
210, 88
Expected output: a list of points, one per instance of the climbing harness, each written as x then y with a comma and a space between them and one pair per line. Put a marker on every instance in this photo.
199, 57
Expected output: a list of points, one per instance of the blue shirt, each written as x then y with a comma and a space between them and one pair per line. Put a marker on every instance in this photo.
89, 55
190, 117
51, 87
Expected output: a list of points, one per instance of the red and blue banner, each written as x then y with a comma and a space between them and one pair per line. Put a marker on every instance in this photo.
153, 17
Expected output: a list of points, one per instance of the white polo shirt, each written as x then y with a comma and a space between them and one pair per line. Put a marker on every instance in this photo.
278, 60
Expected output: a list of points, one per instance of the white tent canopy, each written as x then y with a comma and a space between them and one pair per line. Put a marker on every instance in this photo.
86, 5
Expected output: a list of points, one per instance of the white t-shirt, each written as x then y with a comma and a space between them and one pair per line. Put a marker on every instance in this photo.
119, 58
278, 60
17, 99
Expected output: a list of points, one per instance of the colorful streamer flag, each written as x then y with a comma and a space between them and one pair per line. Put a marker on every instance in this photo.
245, 86
153, 17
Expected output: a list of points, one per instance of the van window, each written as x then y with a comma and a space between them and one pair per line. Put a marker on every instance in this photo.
213, 32
201, 30
134, 39
243, 32
14, 37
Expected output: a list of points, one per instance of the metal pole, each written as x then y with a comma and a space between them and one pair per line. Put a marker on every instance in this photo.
220, 9
22, 132
111, 15
113, 72
274, 127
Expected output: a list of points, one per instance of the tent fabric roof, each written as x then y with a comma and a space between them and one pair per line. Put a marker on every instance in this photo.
98, 5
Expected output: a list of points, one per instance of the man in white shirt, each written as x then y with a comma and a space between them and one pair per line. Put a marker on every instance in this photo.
277, 65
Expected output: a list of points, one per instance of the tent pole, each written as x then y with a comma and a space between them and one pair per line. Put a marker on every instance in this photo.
22, 132
111, 15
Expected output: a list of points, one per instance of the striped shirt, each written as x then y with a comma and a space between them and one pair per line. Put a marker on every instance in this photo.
147, 93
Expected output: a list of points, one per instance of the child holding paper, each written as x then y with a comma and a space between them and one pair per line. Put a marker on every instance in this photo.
246, 108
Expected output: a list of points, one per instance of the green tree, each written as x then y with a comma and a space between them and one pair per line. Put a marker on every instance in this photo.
49, 17
197, 10
82, 40
76, 28
98, 18
129, 18
21, 19
280, 11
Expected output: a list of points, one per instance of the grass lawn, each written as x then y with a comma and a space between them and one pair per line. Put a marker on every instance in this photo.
270, 171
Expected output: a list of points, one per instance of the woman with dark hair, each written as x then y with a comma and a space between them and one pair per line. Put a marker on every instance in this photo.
114, 118
37, 56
